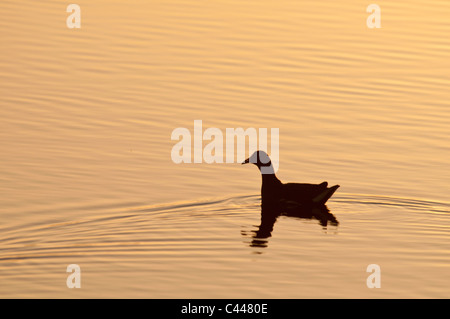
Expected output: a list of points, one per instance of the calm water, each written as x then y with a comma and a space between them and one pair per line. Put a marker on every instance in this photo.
86, 175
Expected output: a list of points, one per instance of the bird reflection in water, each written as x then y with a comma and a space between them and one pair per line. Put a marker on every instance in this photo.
270, 213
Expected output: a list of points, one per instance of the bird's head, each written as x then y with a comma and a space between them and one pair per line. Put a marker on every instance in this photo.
259, 158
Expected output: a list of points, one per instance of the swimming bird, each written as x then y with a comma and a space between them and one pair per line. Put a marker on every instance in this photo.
273, 191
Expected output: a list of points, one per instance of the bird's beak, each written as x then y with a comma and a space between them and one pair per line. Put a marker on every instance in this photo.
246, 161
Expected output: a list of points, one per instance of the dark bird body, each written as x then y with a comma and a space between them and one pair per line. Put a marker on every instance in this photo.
273, 191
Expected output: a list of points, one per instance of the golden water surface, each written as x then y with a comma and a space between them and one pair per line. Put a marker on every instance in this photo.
86, 175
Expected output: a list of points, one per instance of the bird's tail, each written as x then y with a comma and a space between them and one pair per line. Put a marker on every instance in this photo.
325, 195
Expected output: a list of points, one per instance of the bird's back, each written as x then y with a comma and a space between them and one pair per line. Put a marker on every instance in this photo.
301, 192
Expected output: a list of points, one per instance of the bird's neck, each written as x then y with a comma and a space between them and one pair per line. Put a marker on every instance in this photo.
270, 180
268, 174
270, 190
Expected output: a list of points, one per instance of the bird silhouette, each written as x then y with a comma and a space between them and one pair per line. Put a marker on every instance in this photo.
273, 191
296, 200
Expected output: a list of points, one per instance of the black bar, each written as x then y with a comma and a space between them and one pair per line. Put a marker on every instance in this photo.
227, 308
